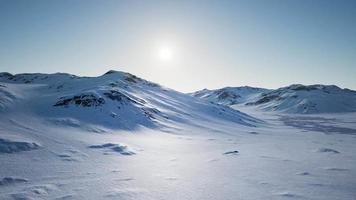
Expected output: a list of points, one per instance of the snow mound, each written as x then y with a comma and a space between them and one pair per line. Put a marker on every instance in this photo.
9, 146
119, 148
327, 150
310, 99
12, 180
44, 191
289, 195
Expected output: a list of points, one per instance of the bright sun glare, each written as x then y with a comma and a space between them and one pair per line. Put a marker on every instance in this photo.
165, 53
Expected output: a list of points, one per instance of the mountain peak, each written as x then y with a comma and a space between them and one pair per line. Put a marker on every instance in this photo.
114, 72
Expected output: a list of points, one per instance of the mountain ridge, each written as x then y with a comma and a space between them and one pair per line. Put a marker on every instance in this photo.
295, 98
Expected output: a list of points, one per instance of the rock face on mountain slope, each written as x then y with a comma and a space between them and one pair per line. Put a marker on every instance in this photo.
310, 99
116, 100
298, 99
230, 95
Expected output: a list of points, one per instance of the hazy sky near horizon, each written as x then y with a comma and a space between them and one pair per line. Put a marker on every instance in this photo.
184, 45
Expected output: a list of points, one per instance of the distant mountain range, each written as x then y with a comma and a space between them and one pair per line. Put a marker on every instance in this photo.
230, 95
299, 99
121, 100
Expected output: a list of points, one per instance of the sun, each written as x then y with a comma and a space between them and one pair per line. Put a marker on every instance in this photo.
165, 54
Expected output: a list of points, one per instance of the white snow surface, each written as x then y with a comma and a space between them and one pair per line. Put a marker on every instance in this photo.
162, 144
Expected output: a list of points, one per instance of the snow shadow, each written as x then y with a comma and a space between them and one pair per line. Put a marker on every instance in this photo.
318, 124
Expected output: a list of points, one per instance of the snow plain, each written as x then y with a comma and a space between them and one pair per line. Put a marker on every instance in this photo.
185, 149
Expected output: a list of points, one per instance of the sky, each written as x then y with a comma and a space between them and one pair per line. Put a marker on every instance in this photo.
184, 45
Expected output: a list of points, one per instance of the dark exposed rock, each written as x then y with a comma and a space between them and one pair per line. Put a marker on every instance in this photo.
84, 100
12, 180
153, 84
327, 150
226, 94
8, 146
130, 79
6, 74
305, 88
119, 148
110, 72
231, 152
115, 95
150, 112
266, 99
113, 84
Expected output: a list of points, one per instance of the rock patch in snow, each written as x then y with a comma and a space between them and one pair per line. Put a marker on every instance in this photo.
119, 148
231, 152
9, 146
327, 150
12, 180
303, 173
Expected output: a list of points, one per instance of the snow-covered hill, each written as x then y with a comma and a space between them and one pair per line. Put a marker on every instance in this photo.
230, 95
114, 100
298, 99
309, 99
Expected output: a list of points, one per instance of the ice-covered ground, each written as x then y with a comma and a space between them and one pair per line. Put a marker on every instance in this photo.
274, 161
210, 153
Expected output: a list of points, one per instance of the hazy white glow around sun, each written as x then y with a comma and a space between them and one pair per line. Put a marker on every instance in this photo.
165, 54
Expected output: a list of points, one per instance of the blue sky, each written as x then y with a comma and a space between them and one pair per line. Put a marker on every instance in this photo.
212, 44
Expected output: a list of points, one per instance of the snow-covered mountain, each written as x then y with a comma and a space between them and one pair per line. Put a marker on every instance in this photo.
118, 136
114, 100
310, 99
297, 98
230, 95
